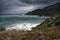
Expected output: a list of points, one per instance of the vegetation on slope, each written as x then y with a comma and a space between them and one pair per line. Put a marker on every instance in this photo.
50, 28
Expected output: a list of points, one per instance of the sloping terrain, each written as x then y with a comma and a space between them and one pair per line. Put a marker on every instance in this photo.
47, 11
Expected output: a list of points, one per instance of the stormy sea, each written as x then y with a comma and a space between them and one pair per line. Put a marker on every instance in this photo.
22, 22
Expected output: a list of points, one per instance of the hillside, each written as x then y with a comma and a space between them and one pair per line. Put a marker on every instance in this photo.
47, 11
49, 29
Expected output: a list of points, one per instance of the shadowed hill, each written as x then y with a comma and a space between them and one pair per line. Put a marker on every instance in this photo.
47, 11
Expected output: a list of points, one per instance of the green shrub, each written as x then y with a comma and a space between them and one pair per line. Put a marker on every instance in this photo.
2, 28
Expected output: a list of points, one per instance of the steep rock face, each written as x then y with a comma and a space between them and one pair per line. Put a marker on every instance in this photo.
47, 11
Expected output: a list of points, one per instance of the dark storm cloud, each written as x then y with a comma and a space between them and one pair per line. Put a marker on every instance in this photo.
22, 6
6, 5
40, 1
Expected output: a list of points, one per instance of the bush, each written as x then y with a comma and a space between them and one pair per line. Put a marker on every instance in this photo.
2, 28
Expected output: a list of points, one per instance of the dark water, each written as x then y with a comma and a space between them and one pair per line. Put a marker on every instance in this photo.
20, 21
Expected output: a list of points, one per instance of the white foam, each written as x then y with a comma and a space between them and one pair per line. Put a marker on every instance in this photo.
22, 26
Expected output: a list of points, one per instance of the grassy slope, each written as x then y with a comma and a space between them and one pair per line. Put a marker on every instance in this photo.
50, 28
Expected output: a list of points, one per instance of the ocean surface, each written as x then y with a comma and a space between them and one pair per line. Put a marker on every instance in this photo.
22, 22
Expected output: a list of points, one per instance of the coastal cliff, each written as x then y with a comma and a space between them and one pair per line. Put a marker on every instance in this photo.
47, 11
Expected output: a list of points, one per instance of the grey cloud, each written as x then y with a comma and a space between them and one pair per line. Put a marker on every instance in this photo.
9, 5
45, 2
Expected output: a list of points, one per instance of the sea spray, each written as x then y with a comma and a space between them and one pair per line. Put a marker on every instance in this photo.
23, 26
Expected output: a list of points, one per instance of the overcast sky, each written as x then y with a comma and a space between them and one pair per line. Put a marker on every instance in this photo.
23, 6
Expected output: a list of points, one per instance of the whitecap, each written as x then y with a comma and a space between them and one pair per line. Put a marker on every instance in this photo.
22, 26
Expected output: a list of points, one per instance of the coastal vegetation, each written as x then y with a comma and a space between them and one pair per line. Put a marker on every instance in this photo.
2, 28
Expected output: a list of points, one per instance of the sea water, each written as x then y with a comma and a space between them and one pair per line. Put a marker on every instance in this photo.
22, 22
